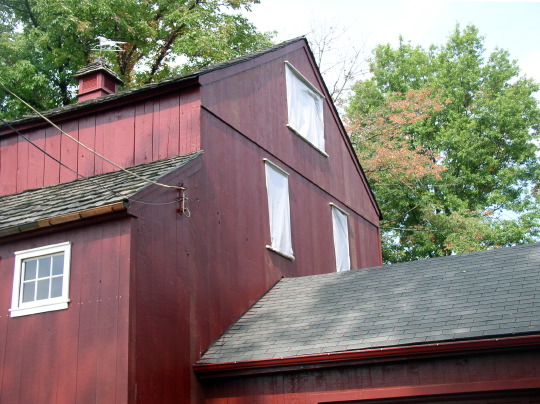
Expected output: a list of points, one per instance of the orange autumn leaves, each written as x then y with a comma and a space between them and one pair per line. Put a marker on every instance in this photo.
385, 138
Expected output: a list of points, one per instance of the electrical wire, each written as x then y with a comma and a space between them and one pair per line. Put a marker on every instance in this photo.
83, 145
88, 178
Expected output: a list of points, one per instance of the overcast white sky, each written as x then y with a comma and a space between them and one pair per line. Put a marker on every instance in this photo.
510, 25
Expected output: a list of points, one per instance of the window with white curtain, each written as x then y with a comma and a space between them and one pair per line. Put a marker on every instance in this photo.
305, 108
277, 185
341, 238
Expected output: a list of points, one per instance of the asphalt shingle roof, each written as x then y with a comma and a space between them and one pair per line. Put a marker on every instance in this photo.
470, 296
18, 210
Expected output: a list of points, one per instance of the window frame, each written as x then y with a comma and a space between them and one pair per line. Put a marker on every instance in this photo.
273, 246
20, 308
304, 136
337, 251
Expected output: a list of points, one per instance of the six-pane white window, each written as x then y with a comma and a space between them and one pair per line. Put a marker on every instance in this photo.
41, 279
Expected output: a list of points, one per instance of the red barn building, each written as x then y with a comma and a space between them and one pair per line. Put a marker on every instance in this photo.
112, 287
215, 269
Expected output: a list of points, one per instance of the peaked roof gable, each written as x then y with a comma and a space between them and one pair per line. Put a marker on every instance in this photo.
25, 210
469, 296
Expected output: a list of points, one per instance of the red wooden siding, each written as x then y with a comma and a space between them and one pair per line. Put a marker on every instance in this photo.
196, 275
514, 375
78, 355
140, 132
255, 104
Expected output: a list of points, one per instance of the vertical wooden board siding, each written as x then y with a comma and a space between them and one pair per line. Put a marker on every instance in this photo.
173, 144
69, 151
169, 303
149, 348
52, 146
22, 166
11, 383
30, 359
122, 337
36, 159
103, 141
87, 136
8, 164
144, 125
159, 305
189, 121
166, 117
49, 361
66, 344
88, 302
123, 136
110, 264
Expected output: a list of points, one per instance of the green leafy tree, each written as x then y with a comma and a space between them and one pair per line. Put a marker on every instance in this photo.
475, 130
44, 42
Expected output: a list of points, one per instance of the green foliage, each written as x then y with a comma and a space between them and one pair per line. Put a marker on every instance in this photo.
485, 137
43, 43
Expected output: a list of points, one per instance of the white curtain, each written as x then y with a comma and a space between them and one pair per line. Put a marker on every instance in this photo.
341, 239
277, 185
305, 109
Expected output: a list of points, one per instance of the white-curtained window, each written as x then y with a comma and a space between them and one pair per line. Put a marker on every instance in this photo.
341, 239
305, 108
277, 185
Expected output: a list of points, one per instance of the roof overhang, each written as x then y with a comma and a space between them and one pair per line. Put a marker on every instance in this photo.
363, 357
65, 219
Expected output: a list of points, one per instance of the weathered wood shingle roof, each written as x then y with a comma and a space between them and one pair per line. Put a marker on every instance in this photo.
478, 295
23, 211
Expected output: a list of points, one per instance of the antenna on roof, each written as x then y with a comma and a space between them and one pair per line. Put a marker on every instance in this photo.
108, 45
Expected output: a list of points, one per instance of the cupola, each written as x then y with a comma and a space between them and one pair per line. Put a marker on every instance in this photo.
96, 80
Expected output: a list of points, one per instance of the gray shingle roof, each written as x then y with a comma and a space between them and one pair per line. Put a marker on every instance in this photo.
477, 295
19, 210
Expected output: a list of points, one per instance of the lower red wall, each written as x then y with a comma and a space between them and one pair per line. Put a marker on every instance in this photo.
77, 355
462, 379
196, 275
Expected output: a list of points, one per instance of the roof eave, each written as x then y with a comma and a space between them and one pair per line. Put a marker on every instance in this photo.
67, 218
384, 354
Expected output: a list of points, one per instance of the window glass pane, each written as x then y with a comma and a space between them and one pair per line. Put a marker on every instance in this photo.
30, 269
43, 289
56, 287
44, 267
29, 290
58, 264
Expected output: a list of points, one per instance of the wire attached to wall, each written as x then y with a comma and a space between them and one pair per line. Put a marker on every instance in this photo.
180, 188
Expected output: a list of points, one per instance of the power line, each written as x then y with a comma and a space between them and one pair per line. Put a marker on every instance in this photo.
83, 145
84, 177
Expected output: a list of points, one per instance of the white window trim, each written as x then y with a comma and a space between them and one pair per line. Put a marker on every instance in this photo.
58, 303
335, 236
304, 80
338, 208
286, 174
